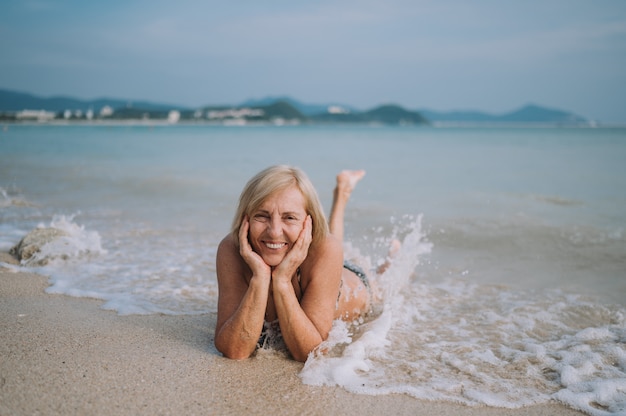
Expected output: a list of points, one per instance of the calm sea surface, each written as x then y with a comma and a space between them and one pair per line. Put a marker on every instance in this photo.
510, 288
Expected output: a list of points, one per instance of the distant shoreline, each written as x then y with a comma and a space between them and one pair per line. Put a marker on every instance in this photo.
18, 106
165, 123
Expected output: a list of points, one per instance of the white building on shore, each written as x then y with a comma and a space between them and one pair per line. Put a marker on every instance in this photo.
173, 116
38, 115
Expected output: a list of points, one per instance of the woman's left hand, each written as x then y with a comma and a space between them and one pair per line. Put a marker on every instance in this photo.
298, 253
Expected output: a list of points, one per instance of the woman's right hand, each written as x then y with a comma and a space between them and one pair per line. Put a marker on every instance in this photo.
253, 260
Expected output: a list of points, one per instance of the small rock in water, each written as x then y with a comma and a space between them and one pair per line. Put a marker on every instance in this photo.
33, 242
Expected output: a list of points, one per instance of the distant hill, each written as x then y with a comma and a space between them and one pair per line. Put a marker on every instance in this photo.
17, 101
275, 109
268, 109
338, 113
306, 109
393, 114
528, 114
282, 109
385, 114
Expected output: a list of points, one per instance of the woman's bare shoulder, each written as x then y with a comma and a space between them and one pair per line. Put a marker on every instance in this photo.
228, 243
331, 244
228, 254
329, 251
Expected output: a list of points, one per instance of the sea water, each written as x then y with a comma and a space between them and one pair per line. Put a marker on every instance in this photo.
509, 288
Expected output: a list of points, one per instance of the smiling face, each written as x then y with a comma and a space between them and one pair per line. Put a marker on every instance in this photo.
276, 224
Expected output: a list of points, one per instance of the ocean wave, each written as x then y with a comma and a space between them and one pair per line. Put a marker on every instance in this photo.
69, 242
479, 344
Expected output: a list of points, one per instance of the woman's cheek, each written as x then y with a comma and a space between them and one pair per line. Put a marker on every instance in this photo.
294, 232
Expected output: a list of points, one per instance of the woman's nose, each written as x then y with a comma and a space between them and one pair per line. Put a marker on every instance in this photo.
274, 228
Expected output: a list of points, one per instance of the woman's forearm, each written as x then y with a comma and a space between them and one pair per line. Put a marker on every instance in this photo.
239, 335
298, 331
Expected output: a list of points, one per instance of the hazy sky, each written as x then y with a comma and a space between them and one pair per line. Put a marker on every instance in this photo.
490, 55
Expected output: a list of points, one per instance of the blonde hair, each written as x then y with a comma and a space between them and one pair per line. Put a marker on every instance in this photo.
275, 179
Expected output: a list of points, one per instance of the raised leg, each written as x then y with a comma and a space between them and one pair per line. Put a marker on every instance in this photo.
346, 181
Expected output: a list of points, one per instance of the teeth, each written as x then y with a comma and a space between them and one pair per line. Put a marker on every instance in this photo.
274, 246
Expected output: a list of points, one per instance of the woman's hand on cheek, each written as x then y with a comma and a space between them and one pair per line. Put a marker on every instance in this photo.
297, 254
252, 259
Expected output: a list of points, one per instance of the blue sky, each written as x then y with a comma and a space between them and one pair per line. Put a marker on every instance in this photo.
489, 55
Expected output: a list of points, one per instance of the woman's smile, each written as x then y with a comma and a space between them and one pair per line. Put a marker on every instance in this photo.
275, 246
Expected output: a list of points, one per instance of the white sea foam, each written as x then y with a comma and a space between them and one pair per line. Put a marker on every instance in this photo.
5, 200
75, 243
9, 198
479, 345
141, 270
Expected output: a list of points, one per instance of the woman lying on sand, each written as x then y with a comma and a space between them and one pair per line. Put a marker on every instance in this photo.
282, 262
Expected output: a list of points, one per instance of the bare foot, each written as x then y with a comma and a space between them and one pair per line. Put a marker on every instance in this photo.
347, 180
394, 247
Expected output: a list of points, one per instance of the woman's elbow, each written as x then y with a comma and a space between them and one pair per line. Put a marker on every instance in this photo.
236, 356
232, 353
301, 357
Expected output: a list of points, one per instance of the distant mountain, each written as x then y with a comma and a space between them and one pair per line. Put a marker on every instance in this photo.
17, 101
275, 109
528, 114
385, 114
306, 109
534, 113
284, 110
269, 109
393, 114
338, 113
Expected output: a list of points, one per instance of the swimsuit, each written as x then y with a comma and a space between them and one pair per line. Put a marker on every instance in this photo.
348, 265
358, 271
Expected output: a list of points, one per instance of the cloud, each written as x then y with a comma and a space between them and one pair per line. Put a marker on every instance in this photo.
413, 51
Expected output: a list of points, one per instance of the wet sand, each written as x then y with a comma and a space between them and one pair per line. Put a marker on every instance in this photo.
64, 355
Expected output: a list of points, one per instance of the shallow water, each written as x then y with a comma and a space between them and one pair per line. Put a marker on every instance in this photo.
478, 344
509, 290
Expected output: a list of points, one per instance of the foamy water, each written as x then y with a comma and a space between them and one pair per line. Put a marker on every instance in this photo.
479, 345
509, 289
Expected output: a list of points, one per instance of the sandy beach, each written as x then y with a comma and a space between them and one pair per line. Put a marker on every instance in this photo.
64, 355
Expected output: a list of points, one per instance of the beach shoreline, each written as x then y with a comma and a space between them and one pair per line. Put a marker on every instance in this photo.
65, 355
